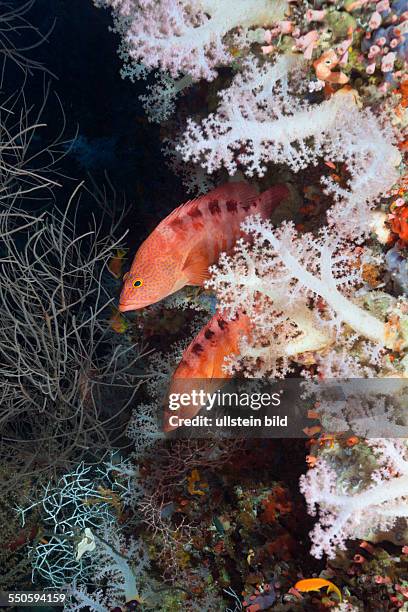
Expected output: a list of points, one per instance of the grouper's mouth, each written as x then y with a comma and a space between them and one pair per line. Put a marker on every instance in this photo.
125, 306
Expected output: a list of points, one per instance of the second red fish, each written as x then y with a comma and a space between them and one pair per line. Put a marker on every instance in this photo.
202, 365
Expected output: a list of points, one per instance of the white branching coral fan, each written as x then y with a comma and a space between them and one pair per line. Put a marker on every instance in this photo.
295, 288
261, 120
122, 564
186, 36
346, 512
84, 543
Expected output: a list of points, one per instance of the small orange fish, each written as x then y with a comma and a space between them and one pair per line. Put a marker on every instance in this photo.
315, 584
204, 358
189, 240
118, 323
324, 66
116, 263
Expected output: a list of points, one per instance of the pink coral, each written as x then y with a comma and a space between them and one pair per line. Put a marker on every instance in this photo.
373, 51
307, 43
315, 15
387, 63
382, 6
375, 21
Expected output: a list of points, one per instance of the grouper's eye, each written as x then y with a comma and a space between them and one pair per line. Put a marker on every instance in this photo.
138, 282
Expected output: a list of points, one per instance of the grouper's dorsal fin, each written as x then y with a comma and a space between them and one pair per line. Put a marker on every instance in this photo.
242, 192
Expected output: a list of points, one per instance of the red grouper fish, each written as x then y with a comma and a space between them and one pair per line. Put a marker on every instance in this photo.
190, 239
203, 359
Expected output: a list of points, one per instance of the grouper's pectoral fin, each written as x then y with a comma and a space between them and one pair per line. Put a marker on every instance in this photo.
195, 268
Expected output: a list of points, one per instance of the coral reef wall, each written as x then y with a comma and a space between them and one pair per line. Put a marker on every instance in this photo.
309, 98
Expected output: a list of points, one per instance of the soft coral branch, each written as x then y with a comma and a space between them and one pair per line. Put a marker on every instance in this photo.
186, 36
324, 284
297, 289
262, 119
345, 513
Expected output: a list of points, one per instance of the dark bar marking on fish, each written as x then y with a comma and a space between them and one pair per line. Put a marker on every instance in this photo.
214, 207
222, 324
195, 212
197, 348
232, 206
177, 223
208, 334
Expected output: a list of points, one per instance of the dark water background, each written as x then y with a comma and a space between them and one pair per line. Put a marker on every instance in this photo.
113, 134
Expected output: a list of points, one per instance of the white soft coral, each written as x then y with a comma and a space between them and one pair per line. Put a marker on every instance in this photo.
297, 289
187, 36
345, 512
262, 119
